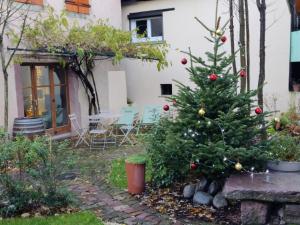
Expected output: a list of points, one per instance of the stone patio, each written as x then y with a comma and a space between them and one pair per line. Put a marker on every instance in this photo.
268, 197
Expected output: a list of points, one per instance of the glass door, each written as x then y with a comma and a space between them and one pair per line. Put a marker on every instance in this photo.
45, 95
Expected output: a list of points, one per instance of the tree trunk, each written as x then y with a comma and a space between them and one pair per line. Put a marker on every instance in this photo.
247, 43
5, 101
231, 28
262, 55
261, 5
5, 77
242, 42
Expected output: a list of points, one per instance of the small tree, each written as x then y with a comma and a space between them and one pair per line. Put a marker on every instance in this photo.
11, 13
213, 129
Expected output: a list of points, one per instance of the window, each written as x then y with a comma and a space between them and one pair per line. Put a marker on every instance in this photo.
147, 25
294, 82
166, 89
34, 2
147, 29
78, 6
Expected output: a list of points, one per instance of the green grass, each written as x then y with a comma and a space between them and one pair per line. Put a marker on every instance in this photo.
82, 218
136, 159
117, 176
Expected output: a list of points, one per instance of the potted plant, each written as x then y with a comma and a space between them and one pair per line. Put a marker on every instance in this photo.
284, 152
296, 85
135, 170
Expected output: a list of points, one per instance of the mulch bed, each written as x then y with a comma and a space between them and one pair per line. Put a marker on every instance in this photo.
171, 202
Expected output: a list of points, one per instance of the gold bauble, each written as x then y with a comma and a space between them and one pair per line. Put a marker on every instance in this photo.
201, 112
238, 166
219, 32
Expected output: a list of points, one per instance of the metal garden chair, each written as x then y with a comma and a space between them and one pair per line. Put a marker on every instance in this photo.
81, 132
127, 124
151, 116
99, 133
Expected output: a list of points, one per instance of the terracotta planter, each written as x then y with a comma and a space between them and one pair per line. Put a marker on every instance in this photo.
135, 177
296, 87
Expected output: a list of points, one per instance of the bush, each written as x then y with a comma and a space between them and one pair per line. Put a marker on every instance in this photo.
28, 174
169, 157
284, 147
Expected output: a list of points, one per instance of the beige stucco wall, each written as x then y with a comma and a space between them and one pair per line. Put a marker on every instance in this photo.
109, 10
181, 31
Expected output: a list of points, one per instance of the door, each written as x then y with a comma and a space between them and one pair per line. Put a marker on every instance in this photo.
45, 93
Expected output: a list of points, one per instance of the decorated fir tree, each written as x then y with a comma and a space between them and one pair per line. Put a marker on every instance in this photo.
216, 130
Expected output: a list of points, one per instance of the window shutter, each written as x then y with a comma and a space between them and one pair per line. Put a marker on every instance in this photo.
297, 6
34, 2
78, 6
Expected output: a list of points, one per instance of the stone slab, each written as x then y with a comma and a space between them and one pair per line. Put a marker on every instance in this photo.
254, 213
271, 187
291, 214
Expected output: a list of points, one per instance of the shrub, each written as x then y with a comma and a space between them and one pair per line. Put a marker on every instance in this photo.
28, 174
284, 147
169, 158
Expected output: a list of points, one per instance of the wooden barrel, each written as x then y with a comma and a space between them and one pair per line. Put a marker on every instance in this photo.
29, 127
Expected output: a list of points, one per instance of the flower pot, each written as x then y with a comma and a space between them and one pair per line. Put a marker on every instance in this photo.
283, 166
135, 177
296, 87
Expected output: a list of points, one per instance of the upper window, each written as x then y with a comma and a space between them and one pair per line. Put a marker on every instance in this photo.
147, 29
34, 2
78, 6
147, 25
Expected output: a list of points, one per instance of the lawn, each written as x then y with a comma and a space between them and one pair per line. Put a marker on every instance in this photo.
82, 218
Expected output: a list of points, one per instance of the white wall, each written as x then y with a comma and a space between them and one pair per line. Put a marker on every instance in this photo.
109, 10
181, 31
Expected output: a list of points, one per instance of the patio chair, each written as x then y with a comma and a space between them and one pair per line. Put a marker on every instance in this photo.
151, 116
127, 124
81, 133
99, 134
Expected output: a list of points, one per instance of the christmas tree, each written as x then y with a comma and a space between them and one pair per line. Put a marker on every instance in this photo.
216, 130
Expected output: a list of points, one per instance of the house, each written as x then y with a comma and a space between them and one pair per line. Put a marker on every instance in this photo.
40, 86
173, 21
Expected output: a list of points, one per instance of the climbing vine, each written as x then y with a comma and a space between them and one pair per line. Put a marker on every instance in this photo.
81, 45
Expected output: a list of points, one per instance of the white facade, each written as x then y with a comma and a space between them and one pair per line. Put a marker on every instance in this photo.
104, 70
181, 31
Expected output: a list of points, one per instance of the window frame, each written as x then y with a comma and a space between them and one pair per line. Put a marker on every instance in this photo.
149, 37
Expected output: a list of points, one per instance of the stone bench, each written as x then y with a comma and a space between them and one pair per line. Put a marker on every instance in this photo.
272, 198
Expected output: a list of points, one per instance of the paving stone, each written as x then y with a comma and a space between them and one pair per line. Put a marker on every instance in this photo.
130, 221
121, 208
143, 216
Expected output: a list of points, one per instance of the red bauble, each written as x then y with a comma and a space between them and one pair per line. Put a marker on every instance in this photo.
213, 77
258, 111
184, 61
174, 102
166, 107
223, 39
243, 73
193, 166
